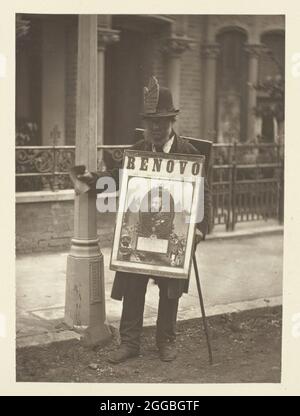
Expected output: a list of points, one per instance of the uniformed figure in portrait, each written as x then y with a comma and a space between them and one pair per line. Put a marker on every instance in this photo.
157, 221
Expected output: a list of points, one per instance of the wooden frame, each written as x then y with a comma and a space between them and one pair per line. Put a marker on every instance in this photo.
158, 208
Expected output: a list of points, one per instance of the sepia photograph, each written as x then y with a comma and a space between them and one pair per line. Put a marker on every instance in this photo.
149, 197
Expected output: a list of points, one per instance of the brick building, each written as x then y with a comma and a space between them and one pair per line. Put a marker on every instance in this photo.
210, 62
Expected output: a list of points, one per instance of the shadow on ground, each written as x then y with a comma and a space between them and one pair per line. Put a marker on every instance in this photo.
246, 348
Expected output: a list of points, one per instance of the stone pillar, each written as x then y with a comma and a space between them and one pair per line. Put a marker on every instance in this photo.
210, 54
85, 294
53, 81
105, 37
174, 47
253, 60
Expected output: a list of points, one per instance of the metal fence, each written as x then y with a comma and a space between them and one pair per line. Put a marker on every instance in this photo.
40, 168
246, 180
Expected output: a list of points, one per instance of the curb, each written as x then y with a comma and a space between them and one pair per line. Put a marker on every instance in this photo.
223, 235
261, 231
47, 338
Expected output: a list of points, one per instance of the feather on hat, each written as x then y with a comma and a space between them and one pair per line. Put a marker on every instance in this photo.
158, 101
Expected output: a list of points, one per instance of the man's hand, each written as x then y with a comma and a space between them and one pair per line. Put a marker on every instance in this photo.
82, 179
87, 177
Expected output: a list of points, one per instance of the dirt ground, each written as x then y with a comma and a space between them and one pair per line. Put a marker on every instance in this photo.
246, 349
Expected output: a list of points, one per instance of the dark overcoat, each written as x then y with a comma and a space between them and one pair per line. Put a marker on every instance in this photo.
176, 287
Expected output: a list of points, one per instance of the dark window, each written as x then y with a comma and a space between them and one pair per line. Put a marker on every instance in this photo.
272, 63
271, 75
28, 86
232, 86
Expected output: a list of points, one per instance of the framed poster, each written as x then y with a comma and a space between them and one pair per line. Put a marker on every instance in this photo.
161, 199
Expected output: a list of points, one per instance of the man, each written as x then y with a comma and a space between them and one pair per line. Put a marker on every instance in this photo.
159, 116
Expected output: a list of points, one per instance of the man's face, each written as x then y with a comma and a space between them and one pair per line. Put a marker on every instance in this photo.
158, 129
156, 204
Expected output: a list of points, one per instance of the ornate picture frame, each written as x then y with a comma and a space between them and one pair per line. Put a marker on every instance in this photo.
161, 199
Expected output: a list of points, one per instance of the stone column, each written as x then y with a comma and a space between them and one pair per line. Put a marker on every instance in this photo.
85, 295
53, 81
253, 51
174, 47
105, 37
210, 54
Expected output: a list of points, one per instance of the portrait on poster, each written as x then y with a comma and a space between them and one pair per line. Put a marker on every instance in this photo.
159, 206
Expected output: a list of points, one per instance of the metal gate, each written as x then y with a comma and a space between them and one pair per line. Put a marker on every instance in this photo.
246, 183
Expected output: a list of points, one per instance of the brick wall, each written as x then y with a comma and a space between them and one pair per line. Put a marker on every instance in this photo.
191, 95
42, 226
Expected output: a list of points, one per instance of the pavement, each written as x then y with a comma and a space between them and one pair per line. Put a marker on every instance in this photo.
238, 271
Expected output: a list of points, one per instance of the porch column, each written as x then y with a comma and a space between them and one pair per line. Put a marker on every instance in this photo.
253, 51
105, 37
210, 54
53, 82
174, 47
85, 294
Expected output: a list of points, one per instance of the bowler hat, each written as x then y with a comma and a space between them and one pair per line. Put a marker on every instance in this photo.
158, 101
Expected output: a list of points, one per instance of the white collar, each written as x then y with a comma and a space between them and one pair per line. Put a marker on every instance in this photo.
167, 146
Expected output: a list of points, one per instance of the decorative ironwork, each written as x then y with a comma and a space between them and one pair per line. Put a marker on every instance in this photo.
246, 180
117, 154
113, 156
32, 160
65, 159
43, 167
47, 167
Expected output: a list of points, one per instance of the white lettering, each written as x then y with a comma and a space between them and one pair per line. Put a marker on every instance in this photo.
105, 203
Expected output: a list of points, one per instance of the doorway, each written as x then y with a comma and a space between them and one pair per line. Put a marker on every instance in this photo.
125, 74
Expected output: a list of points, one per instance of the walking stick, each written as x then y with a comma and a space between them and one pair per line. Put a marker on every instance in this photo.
202, 309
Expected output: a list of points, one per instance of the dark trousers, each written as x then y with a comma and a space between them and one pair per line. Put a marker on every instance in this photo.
133, 311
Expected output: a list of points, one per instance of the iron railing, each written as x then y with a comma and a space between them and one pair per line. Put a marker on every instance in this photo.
246, 180
47, 167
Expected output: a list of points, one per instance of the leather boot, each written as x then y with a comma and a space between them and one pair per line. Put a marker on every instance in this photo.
167, 351
122, 354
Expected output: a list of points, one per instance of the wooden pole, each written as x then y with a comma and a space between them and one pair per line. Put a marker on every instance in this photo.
202, 309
